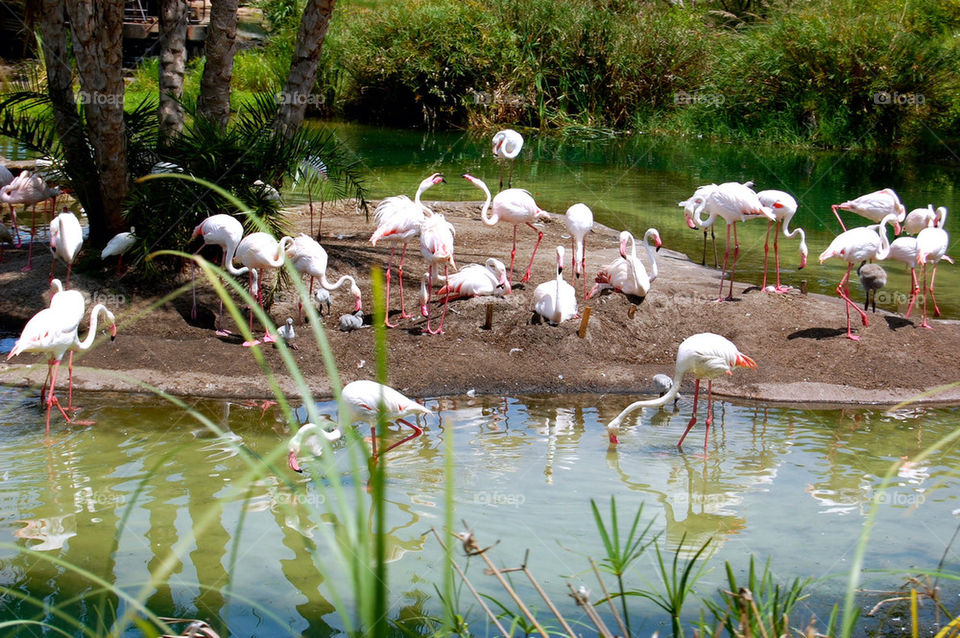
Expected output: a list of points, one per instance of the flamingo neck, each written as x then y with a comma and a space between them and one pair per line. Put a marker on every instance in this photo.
344, 279
650, 403
92, 332
652, 254
228, 255
488, 219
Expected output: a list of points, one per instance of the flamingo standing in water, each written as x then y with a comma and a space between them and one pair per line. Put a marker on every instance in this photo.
734, 202
258, 251
119, 244
627, 274
784, 207
29, 190
66, 239
507, 145
514, 206
853, 246
436, 246
875, 206
689, 205
398, 221
904, 250
309, 436
555, 300
708, 356
226, 232
309, 257
476, 280
579, 221
51, 330
932, 243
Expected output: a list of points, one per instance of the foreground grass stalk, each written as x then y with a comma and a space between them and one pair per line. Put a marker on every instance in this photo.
378, 473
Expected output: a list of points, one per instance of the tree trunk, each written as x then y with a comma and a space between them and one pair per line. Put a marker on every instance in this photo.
220, 47
76, 153
173, 64
303, 66
98, 48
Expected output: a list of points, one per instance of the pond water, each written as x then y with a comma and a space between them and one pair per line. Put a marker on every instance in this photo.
636, 182
150, 486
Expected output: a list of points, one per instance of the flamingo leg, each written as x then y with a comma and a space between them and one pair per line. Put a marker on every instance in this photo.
16, 230
267, 337
33, 234
844, 293
417, 431
776, 257
69, 269
933, 276
513, 252
834, 207
693, 417
429, 296
51, 398
583, 264
766, 251
733, 266
526, 275
386, 312
703, 262
713, 238
70, 381
709, 421
573, 261
723, 271
403, 307
255, 342
914, 291
924, 323
446, 299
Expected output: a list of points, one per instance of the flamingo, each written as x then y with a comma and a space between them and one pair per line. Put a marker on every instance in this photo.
29, 190
514, 206
6, 178
267, 192
688, 212
872, 277
70, 305
309, 435
398, 221
226, 232
932, 244
309, 257
53, 332
436, 246
734, 202
853, 246
66, 239
476, 280
258, 251
555, 300
784, 207
919, 218
627, 274
119, 244
579, 221
507, 144
875, 206
708, 356
904, 250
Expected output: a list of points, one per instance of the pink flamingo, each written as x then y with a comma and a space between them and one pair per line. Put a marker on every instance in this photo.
436, 246
555, 300
476, 280
904, 250
119, 244
507, 145
734, 202
226, 232
919, 218
627, 273
853, 246
66, 239
398, 221
309, 257
29, 190
784, 207
932, 244
875, 206
51, 330
579, 222
258, 251
708, 356
5, 178
514, 206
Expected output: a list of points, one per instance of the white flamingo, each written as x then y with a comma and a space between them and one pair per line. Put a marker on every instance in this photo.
627, 274
309, 257
932, 244
734, 202
436, 246
853, 246
514, 206
904, 250
919, 218
579, 222
875, 206
555, 300
706, 355
226, 232
507, 145
119, 244
689, 206
784, 207
259, 251
398, 222
477, 280
66, 239
309, 435
28, 189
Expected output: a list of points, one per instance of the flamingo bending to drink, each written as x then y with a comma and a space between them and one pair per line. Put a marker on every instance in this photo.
784, 207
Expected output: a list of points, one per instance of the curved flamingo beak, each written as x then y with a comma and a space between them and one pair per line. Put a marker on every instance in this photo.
292, 462
690, 223
356, 305
504, 283
113, 332
896, 228
623, 248
803, 262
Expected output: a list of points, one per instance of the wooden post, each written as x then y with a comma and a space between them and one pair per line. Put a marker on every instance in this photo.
583, 322
488, 319
803, 286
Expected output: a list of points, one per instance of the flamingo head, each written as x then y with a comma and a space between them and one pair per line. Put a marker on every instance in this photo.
612, 428
292, 462
437, 178
498, 141
624, 238
355, 291
656, 238
113, 331
897, 229
500, 271
803, 255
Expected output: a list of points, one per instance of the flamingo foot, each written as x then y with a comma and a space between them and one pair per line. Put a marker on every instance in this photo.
926, 325
250, 344
224, 333
269, 338
853, 337
386, 322
26, 269
83, 423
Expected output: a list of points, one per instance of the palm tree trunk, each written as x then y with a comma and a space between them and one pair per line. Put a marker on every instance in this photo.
303, 66
98, 49
69, 127
220, 47
173, 63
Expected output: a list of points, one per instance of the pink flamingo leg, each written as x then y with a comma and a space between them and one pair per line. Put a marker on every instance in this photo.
16, 230
51, 398
914, 292
69, 270
403, 306
845, 295
835, 207
430, 296
573, 261
267, 337
70, 381
693, 417
723, 271
924, 323
933, 276
386, 316
766, 251
736, 255
417, 431
526, 275
583, 268
513, 253
33, 234
255, 342
709, 422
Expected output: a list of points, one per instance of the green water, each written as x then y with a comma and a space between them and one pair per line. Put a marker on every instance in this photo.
636, 182
148, 485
